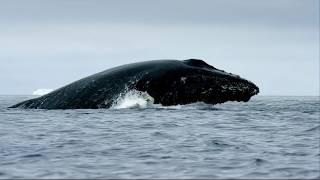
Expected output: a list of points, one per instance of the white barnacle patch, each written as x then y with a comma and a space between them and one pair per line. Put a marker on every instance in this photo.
204, 92
183, 79
230, 88
224, 88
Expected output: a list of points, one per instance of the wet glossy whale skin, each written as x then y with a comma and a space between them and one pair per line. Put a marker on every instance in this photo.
169, 82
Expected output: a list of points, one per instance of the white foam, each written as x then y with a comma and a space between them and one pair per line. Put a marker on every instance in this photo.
133, 99
40, 92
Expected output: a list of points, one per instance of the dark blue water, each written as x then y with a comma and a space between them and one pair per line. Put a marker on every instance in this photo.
268, 137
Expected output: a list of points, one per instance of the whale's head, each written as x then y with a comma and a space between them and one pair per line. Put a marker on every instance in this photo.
194, 80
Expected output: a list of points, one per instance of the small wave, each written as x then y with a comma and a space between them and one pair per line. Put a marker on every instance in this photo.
259, 161
133, 99
32, 155
192, 106
316, 128
41, 92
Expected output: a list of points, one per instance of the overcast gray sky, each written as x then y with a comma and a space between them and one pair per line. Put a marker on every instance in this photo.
49, 43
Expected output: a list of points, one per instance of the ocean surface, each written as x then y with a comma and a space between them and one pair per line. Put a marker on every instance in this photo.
268, 137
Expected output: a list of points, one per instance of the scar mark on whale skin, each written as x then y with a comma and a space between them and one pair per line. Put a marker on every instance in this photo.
183, 80
168, 82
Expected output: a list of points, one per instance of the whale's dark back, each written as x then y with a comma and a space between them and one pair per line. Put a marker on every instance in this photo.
101, 89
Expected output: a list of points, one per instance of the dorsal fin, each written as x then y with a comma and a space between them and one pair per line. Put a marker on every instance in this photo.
198, 63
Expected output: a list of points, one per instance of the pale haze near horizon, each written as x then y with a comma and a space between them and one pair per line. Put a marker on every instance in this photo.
48, 44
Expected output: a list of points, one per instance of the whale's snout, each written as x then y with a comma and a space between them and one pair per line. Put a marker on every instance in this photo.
249, 91
226, 87
254, 90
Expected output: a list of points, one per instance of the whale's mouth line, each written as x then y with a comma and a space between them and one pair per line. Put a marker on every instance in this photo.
131, 97
140, 100
134, 99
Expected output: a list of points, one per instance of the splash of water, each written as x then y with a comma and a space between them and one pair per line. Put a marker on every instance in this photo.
133, 99
40, 92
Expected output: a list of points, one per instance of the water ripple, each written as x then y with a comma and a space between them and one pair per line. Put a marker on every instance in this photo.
268, 137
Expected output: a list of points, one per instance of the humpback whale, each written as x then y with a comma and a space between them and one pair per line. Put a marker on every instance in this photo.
168, 82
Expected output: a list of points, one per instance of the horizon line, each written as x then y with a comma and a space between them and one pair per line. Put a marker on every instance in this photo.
252, 96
